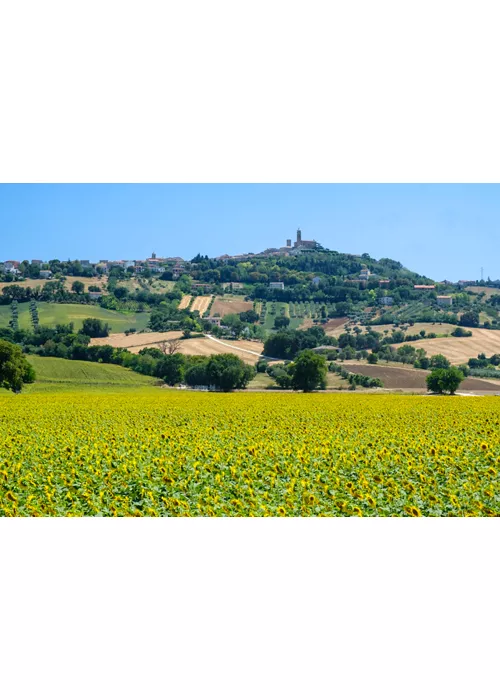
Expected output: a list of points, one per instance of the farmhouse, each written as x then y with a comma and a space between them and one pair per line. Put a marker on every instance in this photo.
45, 274
424, 287
384, 283
365, 273
276, 285
316, 281
387, 301
444, 300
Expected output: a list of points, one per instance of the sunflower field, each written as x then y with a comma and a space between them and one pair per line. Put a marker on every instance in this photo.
167, 453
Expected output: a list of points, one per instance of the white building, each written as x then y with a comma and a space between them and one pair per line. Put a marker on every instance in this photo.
276, 285
444, 300
387, 301
316, 281
45, 274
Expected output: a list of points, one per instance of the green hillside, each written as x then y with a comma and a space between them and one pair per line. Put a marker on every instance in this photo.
52, 314
56, 371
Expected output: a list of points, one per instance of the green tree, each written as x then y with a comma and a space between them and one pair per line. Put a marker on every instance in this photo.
227, 372
372, 358
95, 328
78, 287
308, 371
444, 380
439, 362
171, 368
469, 318
281, 322
15, 370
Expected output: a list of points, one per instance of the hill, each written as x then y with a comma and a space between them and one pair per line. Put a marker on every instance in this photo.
459, 350
51, 314
54, 370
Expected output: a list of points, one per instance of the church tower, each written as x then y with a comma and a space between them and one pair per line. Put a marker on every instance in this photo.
299, 235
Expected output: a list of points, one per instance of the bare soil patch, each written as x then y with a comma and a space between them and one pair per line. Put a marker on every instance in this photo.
409, 378
135, 341
230, 305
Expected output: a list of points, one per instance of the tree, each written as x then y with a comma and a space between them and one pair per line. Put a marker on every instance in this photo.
439, 362
308, 371
372, 358
281, 322
15, 370
78, 287
469, 318
227, 372
444, 380
171, 368
170, 347
95, 328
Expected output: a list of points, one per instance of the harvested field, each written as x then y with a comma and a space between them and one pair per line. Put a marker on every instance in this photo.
200, 304
230, 305
335, 326
409, 378
185, 301
87, 281
488, 291
248, 350
135, 340
25, 283
459, 350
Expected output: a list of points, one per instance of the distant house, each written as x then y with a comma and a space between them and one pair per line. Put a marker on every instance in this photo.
364, 274
384, 283
424, 287
37, 262
95, 295
444, 300
45, 274
387, 301
214, 319
276, 285
85, 263
201, 287
316, 281
177, 270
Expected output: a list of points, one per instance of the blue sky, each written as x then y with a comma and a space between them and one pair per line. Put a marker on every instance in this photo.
444, 231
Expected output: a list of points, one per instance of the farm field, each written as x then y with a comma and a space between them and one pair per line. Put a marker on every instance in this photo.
401, 377
335, 326
154, 452
98, 281
52, 314
459, 350
161, 286
87, 282
55, 370
278, 309
230, 305
185, 301
487, 291
200, 304
246, 349
135, 340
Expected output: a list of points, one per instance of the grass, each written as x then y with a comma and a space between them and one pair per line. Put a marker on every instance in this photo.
269, 320
55, 373
51, 314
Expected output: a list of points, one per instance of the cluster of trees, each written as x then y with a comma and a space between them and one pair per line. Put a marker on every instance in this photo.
225, 372
15, 370
307, 372
287, 344
355, 379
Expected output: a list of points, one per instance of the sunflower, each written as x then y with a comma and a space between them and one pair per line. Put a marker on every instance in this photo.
415, 512
484, 446
281, 510
371, 501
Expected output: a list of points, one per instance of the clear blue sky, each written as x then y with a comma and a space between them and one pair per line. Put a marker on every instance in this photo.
444, 231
